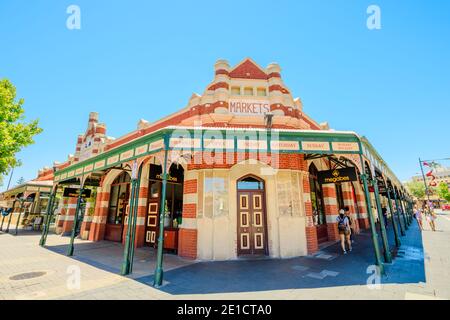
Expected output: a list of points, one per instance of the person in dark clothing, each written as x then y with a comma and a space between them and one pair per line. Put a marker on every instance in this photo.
385, 216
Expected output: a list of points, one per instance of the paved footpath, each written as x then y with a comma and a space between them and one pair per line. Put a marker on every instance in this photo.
417, 272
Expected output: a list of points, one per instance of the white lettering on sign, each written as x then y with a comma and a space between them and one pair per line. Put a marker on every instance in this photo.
314, 145
218, 144
284, 145
345, 146
248, 107
156, 145
252, 144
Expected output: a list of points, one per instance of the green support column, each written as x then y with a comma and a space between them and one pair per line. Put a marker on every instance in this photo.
404, 214
48, 214
159, 270
10, 216
394, 223
1, 226
20, 214
400, 221
384, 238
75, 222
135, 211
126, 257
372, 223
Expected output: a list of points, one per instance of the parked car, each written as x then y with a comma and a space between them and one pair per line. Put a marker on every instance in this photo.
446, 207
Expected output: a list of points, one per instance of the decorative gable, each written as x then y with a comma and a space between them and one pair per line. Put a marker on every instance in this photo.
248, 70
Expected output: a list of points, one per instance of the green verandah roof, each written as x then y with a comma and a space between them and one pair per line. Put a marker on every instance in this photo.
232, 140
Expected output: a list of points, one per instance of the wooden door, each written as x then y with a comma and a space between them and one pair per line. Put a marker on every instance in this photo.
252, 234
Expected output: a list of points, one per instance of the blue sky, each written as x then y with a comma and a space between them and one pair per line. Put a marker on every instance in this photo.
143, 59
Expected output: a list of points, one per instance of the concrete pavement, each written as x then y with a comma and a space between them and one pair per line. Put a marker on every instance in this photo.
417, 272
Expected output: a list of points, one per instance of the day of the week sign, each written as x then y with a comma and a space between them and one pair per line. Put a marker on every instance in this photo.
140, 150
314, 145
99, 164
218, 144
248, 107
156, 145
126, 155
284, 145
345, 146
252, 144
184, 143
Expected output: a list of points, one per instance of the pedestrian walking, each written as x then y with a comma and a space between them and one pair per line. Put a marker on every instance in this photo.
344, 231
418, 217
350, 220
431, 217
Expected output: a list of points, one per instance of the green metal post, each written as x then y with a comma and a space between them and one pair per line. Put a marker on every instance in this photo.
391, 209
10, 216
384, 238
402, 227
75, 222
1, 226
20, 214
135, 211
126, 257
48, 212
372, 223
404, 214
159, 270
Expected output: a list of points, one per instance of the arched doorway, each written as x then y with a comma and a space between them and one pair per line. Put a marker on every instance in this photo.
318, 207
118, 203
251, 217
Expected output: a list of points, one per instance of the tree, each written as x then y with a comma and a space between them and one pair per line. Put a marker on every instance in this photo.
417, 189
443, 192
20, 181
15, 133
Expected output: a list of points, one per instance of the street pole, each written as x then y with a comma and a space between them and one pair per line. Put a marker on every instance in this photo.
397, 239
135, 212
75, 221
369, 213
10, 177
159, 270
126, 257
402, 227
384, 238
425, 183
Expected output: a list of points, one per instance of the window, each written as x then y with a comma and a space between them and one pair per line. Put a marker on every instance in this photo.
261, 92
250, 183
236, 91
118, 201
316, 197
248, 91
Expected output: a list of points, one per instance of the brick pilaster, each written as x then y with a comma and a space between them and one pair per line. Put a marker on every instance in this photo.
312, 243
187, 234
331, 210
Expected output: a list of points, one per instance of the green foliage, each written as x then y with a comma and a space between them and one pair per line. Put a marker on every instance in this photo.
442, 191
417, 189
15, 133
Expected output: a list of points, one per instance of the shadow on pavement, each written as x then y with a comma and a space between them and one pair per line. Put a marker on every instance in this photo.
327, 268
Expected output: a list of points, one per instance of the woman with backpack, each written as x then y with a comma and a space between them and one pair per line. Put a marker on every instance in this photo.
344, 231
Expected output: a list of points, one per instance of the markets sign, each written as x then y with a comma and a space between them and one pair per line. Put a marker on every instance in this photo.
73, 193
337, 175
248, 107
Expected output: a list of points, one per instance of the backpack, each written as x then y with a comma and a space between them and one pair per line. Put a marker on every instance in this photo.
341, 224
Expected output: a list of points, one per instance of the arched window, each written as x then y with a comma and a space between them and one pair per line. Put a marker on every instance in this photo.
250, 183
316, 197
118, 201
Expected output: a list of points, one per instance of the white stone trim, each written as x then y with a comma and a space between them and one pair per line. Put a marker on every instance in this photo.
88, 218
190, 198
99, 219
306, 197
142, 202
140, 221
104, 204
332, 218
189, 223
330, 201
69, 218
72, 206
